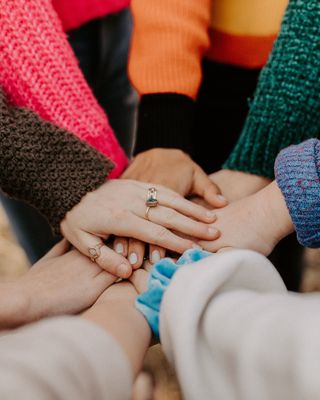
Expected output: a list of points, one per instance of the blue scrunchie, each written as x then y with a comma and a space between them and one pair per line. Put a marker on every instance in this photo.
160, 276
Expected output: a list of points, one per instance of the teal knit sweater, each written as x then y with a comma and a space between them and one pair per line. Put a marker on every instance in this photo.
286, 106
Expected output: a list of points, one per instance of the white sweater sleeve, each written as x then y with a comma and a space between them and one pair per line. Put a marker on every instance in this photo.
63, 358
233, 332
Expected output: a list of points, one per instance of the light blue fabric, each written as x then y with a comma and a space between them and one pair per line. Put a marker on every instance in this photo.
149, 302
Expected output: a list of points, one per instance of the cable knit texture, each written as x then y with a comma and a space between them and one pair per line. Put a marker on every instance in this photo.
297, 172
286, 106
39, 71
45, 166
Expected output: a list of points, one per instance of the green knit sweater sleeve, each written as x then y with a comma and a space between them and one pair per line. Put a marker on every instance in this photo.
286, 106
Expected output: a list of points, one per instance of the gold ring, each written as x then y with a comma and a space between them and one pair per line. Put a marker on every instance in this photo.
152, 200
95, 252
147, 213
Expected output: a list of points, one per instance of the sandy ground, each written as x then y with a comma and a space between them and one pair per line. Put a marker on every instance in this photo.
14, 263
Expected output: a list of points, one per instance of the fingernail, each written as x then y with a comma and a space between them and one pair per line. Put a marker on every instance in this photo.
196, 246
155, 256
119, 248
133, 258
123, 270
211, 214
212, 231
222, 198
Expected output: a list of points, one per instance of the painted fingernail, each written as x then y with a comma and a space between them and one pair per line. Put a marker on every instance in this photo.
123, 270
133, 258
119, 248
196, 246
212, 231
211, 214
155, 256
222, 198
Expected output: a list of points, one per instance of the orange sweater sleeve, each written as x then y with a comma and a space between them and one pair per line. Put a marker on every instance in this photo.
169, 40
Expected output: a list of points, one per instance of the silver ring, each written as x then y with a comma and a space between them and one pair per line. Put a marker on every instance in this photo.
152, 200
95, 252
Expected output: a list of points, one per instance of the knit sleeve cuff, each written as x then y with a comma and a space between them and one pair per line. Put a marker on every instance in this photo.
165, 120
297, 175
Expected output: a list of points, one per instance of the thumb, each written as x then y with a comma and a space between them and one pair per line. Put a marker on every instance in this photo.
204, 187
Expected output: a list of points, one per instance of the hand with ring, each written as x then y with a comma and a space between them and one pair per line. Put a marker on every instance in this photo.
119, 207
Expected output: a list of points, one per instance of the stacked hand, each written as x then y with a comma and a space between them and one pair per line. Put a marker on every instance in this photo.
118, 207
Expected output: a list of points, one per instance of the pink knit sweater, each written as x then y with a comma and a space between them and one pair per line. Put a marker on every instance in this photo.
38, 70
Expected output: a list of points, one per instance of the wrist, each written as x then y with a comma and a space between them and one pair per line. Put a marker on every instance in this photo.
165, 120
277, 218
236, 185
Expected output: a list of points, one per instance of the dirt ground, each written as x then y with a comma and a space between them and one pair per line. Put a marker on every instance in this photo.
13, 263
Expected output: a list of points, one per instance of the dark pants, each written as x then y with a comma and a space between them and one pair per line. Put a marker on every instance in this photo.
222, 107
101, 47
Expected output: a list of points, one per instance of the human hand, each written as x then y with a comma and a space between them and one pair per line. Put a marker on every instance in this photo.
62, 282
257, 222
236, 185
118, 208
174, 169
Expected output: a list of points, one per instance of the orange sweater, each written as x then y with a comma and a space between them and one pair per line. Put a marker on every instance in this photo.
171, 37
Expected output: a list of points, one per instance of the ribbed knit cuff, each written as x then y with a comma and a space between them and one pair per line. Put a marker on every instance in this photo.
285, 109
297, 174
165, 120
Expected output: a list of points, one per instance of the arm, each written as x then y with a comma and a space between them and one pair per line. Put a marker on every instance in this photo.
39, 71
96, 356
168, 42
62, 282
45, 166
285, 109
243, 335
297, 173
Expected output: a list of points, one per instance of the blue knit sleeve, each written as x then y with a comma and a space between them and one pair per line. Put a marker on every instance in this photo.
297, 171
149, 302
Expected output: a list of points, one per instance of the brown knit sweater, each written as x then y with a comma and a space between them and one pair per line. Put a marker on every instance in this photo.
46, 166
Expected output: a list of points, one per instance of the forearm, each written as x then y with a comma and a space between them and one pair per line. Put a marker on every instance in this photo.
285, 108
39, 71
63, 358
297, 174
45, 166
168, 42
118, 316
14, 306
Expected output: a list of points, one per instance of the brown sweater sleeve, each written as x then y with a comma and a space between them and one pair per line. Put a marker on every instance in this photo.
46, 166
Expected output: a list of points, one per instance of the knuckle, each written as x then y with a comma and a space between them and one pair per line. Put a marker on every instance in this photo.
161, 233
170, 216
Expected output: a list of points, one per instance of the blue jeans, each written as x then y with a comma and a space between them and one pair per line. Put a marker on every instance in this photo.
101, 47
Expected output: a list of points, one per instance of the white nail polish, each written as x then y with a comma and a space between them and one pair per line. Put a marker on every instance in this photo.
133, 258
155, 256
211, 214
222, 198
212, 231
196, 246
119, 248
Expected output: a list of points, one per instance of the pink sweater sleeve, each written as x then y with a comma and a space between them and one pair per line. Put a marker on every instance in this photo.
39, 71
